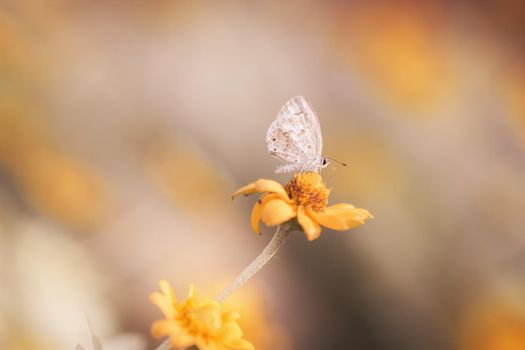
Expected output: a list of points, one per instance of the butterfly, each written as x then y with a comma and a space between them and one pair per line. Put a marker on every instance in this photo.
295, 138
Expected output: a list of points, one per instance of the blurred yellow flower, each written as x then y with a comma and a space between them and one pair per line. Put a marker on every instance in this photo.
305, 197
64, 188
496, 322
514, 94
406, 59
196, 321
56, 183
187, 176
25, 342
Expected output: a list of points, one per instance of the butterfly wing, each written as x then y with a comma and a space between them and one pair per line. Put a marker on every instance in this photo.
312, 123
295, 136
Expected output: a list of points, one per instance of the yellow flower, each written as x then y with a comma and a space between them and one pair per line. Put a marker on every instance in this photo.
196, 321
305, 197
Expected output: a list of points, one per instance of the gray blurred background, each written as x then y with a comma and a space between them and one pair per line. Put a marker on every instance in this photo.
126, 125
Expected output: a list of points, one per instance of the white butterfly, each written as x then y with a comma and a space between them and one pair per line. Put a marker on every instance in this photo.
295, 138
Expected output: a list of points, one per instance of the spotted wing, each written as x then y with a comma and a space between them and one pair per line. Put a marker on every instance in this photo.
295, 135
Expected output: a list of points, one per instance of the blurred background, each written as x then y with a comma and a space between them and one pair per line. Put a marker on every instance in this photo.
126, 125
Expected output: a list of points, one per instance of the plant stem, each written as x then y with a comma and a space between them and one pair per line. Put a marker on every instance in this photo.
165, 345
275, 243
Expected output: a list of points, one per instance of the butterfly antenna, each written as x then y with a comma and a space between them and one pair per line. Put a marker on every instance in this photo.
335, 160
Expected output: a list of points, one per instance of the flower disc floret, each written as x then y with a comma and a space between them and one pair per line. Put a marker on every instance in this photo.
308, 190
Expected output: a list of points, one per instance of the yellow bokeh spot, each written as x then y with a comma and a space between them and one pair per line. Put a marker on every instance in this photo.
515, 96
398, 48
55, 183
187, 177
494, 324
63, 188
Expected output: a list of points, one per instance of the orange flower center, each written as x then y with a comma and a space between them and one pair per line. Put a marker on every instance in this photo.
203, 321
308, 190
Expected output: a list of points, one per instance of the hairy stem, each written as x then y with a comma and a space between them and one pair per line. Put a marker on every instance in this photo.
165, 345
276, 242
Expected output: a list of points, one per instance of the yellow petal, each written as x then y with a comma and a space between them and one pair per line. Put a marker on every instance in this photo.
231, 332
265, 186
161, 328
166, 300
162, 303
240, 344
183, 342
246, 190
191, 291
205, 344
231, 337
179, 338
276, 211
168, 292
230, 316
341, 216
256, 217
310, 227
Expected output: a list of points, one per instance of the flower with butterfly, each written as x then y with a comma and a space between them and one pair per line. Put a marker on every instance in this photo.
294, 138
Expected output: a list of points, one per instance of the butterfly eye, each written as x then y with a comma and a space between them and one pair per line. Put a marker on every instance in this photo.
324, 161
